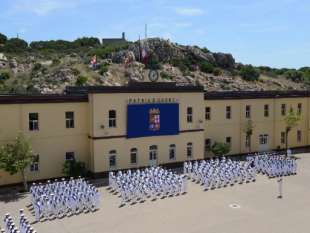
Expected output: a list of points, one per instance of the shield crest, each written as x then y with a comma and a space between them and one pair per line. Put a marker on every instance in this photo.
154, 119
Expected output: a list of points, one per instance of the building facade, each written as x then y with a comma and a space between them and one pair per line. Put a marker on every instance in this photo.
112, 128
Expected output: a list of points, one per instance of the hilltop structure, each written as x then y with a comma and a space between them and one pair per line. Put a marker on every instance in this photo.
109, 41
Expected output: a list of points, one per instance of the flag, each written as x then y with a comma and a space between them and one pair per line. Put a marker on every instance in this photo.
93, 61
144, 55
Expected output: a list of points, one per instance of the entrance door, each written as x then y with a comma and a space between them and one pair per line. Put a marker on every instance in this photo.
153, 155
263, 142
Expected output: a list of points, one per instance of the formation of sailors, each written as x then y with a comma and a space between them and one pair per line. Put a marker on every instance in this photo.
24, 225
218, 173
273, 165
148, 183
63, 198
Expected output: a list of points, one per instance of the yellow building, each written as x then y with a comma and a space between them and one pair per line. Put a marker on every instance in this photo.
143, 124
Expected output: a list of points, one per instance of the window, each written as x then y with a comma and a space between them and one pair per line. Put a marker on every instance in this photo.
283, 109
299, 108
266, 110
189, 150
189, 114
298, 135
247, 111
153, 152
228, 112
247, 141
69, 120
34, 166
207, 144
33, 121
112, 118
172, 152
70, 156
263, 139
228, 140
282, 137
112, 159
208, 113
133, 156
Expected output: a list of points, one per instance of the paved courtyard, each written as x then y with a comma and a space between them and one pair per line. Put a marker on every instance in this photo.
197, 211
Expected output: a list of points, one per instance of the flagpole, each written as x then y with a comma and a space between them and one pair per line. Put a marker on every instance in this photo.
139, 49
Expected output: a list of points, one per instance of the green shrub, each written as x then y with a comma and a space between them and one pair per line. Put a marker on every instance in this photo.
4, 76
220, 148
205, 50
234, 72
87, 42
74, 168
217, 71
37, 66
294, 75
75, 71
81, 80
55, 62
180, 63
206, 67
249, 73
153, 62
103, 69
3, 38
306, 76
165, 75
265, 68
15, 45
105, 51
53, 45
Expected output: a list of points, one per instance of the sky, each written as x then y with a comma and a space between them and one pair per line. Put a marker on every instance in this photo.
275, 33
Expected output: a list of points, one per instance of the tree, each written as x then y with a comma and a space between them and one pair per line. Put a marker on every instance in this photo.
15, 45
294, 75
291, 121
87, 42
56, 45
74, 168
3, 38
152, 62
248, 130
249, 73
220, 148
16, 157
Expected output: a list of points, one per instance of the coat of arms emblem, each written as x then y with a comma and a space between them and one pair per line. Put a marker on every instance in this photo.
154, 119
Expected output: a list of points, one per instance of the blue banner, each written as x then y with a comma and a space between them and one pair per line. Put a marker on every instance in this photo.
144, 120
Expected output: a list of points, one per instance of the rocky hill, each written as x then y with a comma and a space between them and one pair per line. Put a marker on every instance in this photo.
49, 66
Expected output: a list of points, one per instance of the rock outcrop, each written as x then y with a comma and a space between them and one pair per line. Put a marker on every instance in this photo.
224, 60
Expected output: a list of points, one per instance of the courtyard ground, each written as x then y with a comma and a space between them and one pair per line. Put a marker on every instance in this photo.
195, 212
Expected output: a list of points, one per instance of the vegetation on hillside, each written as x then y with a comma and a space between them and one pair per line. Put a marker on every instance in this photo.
45, 66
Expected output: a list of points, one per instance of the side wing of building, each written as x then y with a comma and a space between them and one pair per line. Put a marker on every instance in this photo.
45, 122
227, 115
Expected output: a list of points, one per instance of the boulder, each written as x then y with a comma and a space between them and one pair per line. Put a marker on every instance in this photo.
123, 56
3, 57
224, 60
200, 55
164, 50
